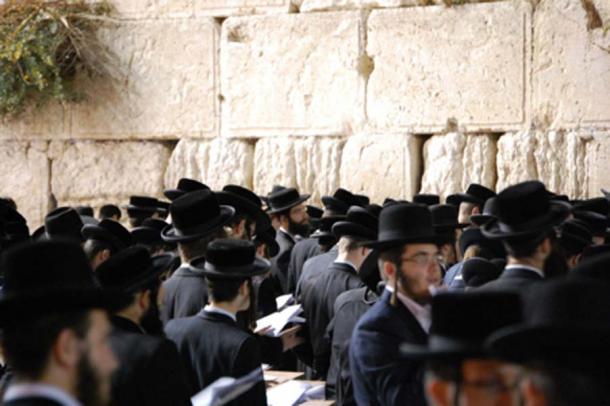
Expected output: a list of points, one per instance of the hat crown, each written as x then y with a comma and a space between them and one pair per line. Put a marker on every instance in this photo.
491, 207
191, 185
479, 191
362, 217
402, 220
477, 271
143, 201
575, 229
63, 222
244, 193
599, 205
117, 230
283, 197
427, 198
326, 223
194, 208
230, 253
123, 267
156, 224
444, 214
523, 203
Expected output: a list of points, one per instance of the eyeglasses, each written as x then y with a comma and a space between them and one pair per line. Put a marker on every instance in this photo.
423, 259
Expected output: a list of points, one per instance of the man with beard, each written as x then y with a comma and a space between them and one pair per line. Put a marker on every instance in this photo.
249, 216
286, 206
525, 224
409, 261
55, 328
151, 372
103, 240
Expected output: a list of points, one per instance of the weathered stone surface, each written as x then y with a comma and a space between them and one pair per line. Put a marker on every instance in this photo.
309, 164
25, 178
329, 5
438, 63
571, 68
169, 85
454, 160
36, 124
86, 171
152, 8
555, 158
292, 74
216, 163
242, 7
598, 163
381, 165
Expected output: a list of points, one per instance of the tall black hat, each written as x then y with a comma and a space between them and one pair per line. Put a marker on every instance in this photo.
185, 185
110, 231
65, 223
427, 198
476, 194
245, 201
359, 223
231, 259
340, 201
285, 199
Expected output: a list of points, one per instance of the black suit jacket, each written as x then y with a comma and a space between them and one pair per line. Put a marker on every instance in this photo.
150, 372
313, 268
301, 252
213, 346
32, 401
186, 293
318, 305
379, 375
349, 307
279, 263
513, 279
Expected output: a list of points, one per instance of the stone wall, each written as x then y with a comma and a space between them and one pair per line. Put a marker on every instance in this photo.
387, 97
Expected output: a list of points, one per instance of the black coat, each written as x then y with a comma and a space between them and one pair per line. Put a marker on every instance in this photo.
318, 305
212, 346
379, 375
513, 279
313, 268
301, 252
185, 294
150, 372
279, 263
349, 307
32, 401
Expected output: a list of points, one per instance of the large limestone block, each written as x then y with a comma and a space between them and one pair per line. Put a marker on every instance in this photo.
152, 8
25, 178
598, 164
381, 165
86, 171
242, 7
167, 87
48, 122
328, 5
467, 63
309, 164
292, 74
216, 163
454, 160
556, 158
571, 68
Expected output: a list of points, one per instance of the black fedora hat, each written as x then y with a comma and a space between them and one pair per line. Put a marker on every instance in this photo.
244, 201
13, 233
131, 269
427, 198
476, 194
84, 210
403, 223
566, 321
478, 271
359, 223
340, 201
361, 200
474, 236
599, 205
462, 321
65, 223
196, 215
525, 211
50, 276
149, 232
231, 259
109, 231
574, 236
325, 227
314, 213
145, 206
596, 222
267, 237
445, 218
185, 185
285, 199
490, 212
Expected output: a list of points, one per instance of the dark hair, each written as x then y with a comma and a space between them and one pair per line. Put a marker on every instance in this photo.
137, 221
193, 249
238, 218
224, 290
27, 346
93, 247
526, 247
109, 211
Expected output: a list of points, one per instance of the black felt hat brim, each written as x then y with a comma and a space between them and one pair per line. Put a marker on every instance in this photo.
331, 201
261, 218
349, 229
391, 243
172, 234
95, 232
452, 351
260, 266
136, 211
301, 199
173, 194
160, 264
458, 198
481, 219
146, 235
444, 228
556, 214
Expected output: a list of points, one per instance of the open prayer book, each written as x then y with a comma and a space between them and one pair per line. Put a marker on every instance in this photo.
277, 321
294, 393
225, 389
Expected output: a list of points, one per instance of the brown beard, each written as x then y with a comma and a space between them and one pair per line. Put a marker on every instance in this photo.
89, 383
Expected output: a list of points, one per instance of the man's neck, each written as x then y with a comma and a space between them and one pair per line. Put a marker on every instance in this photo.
52, 377
230, 307
532, 262
130, 314
351, 259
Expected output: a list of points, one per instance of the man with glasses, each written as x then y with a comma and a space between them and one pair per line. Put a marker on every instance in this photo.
409, 263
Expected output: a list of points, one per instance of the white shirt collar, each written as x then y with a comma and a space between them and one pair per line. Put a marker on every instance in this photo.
422, 313
27, 390
526, 267
283, 230
214, 309
342, 261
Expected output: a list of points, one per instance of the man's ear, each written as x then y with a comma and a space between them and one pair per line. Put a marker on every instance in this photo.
475, 210
389, 269
66, 349
439, 393
545, 246
532, 394
144, 299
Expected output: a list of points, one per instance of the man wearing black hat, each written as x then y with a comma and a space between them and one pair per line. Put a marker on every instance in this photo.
409, 260
143, 207
109, 211
574, 238
525, 224
151, 371
54, 327
224, 349
149, 235
471, 202
63, 223
185, 185
319, 299
197, 219
249, 215
445, 220
103, 240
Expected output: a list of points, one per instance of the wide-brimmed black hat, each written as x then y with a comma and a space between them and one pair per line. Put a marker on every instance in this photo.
145, 206
149, 232
461, 322
340, 201
445, 218
284, 199
325, 226
196, 215
574, 236
361, 200
359, 224
478, 271
231, 259
525, 211
474, 236
598, 205
267, 237
490, 212
131, 269
315, 214
65, 223
403, 223
185, 185
245, 201
597, 223
50, 276
476, 194
109, 231
427, 198
566, 321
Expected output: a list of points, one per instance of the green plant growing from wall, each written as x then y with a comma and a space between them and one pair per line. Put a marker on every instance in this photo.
43, 45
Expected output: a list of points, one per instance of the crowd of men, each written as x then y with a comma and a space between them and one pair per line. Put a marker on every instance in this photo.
485, 299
